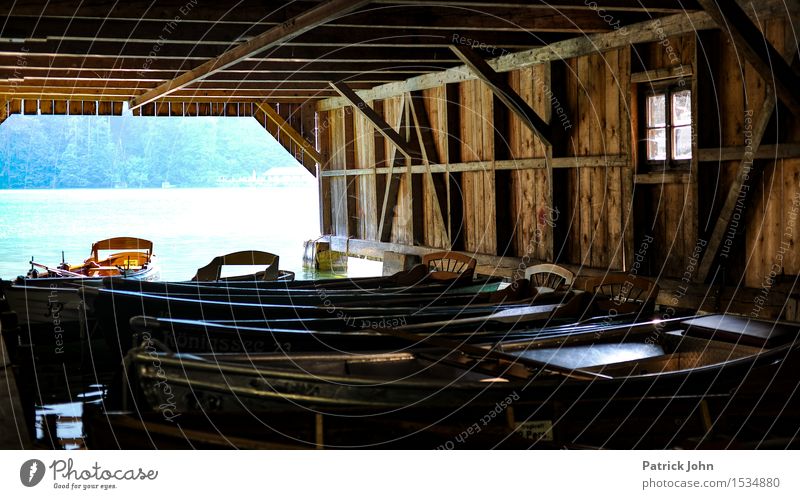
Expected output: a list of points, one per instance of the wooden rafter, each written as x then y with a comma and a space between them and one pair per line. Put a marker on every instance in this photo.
503, 91
408, 148
293, 134
647, 31
270, 38
757, 50
252, 11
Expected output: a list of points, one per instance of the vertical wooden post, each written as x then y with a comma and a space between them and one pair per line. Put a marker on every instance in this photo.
455, 200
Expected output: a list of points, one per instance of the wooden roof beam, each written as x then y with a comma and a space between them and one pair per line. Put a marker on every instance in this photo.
757, 50
508, 26
331, 9
649, 6
503, 91
190, 55
636, 33
408, 148
190, 95
250, 11
317, 82
138, 65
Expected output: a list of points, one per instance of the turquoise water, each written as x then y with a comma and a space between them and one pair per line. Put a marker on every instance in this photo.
187, 226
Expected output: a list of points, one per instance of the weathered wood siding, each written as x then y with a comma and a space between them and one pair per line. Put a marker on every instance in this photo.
477, 144
590, 199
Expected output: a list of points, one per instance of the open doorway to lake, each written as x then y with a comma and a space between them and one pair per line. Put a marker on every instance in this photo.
198, 187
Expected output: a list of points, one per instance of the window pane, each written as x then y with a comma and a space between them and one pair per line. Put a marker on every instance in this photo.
682, 142
657, 144
656, 110
682, 108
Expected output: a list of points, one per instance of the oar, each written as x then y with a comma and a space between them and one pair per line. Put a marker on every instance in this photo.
61, 272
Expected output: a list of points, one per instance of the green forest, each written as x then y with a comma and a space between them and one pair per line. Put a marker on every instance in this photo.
38, 152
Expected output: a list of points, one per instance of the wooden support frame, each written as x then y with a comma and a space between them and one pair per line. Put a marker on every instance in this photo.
757, 50
503, 91
302, 23
508, 164
4, 112
743, 173
293, 134
430, 155
760, 122
408, 148
734, 153
393, 177
643, 32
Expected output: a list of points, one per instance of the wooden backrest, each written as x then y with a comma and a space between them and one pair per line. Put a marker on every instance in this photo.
449, 265
121, 243
549, 276
623, 293
213, 271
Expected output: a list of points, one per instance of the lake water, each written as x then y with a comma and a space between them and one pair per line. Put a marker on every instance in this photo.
188, 227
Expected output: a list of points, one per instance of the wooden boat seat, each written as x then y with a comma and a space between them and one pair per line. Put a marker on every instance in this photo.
547, 275
449, 265
127, 260
104, 271
741, 330
680, 352
213, 271
616, 294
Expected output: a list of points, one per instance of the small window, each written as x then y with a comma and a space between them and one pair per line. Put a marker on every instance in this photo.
668, 127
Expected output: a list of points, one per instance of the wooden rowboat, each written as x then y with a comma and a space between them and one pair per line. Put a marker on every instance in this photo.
356, 334
129, 257
49, 301
114, 310
683, 360
252, 258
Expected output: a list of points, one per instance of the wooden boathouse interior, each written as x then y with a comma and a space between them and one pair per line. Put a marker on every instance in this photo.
652, 137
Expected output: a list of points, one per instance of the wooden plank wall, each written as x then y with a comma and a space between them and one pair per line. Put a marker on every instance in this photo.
592, 108
764, 250
668, 211
402, 219
338, 160
436, 107
366, 203
605, 204
770, 237
531, 204
477, 144
596, 98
